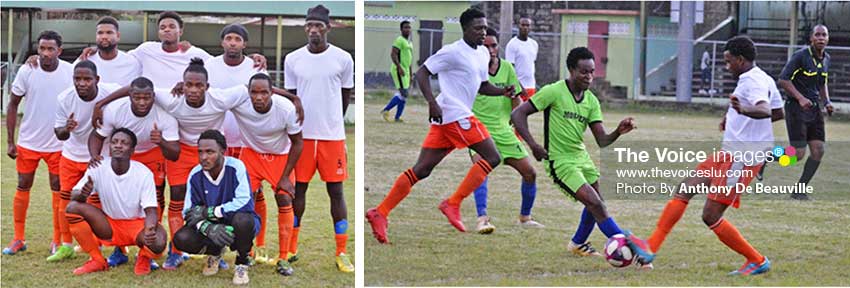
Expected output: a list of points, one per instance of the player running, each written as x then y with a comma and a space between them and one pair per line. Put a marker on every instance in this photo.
805, 78
220, 211
323, 76
570, 108
495, 114
401, 71
462, 67
41, 85
748, 129
129, 213
522, 52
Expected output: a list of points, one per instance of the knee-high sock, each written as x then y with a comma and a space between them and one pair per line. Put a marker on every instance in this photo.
398, 192
671, 214
160, 201
57, 234
175, 219
585, 227
400, 109
393, 102
285, 222
473, 179
341, 235
809, 170
94, 200
84, 235
260, 207
293, 241
481, 198
64, 229
20, 204
729, 235
529, 192
609, 227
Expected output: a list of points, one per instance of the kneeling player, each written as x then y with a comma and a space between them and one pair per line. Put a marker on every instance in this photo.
221, 208
129, 215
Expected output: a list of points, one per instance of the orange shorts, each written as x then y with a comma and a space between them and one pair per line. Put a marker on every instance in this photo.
234, 152
27, 160
124, 231
155, 161
721, 164
459, 134
178, 171
70, 173
327, 156
529, 92
265, 166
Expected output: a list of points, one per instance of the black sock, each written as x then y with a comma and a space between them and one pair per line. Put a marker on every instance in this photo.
809, 170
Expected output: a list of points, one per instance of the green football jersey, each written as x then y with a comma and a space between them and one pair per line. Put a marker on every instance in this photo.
495, 111
405, 57
565, 120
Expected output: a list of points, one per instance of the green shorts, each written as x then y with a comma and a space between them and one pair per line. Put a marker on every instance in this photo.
570, 174
507, 143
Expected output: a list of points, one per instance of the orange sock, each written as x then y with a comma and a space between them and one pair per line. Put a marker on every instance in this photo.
57, 235
285, 218
293, 241
341, 241
175, 219
20, 204
260, 208
145, 251
160, 201
473, 179
84, 235
730, 236
671, 214
400, 189
64, 229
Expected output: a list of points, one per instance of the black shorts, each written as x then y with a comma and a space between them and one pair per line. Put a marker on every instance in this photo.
803, 125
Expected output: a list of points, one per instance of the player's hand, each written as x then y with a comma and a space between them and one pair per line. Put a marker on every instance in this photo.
220, 234
87, 188
150, 235
723, 124
285, 185
260, 62
626, 125
88, 51
509, 91
12, 151
32, 61
400, 71
539, 152
95, 161
299, 110
178, 89
805, 103
829, 108
156, 135
435, 113
71, 124
196, 214
184, 46
97, 117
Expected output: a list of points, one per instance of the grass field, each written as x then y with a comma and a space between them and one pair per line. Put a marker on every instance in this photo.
807, 241
316, 267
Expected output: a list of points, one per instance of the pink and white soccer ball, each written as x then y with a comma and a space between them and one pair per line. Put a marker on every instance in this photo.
617, 251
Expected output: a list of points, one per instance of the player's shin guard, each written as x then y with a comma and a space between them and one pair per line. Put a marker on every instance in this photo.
84, 235
293, 240
175, 219
57, 235
609, 227
285, 222
480, 195
473, 179
585, 227
398, 192
64, 229
341, 237
673, 211
260, 207
529, 192
729, 235
20, 204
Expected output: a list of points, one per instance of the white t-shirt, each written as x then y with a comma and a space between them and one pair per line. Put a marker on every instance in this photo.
224, 76
76, 148
123, 196
41, 90
121, 70
523, 54
120, 114
269, 131
194, 121
319, 80
703, 63
461, 70
743, 133
165, 69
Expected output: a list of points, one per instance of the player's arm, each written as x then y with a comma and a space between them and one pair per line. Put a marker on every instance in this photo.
435, 113
775, 115
170, 149
489, 89
346, 98
11, 124
785, 81
520, 119
297, 144
394, 55
83, 189
604, 139
95, 145
759, 111
63, 132
97, 113
824, 96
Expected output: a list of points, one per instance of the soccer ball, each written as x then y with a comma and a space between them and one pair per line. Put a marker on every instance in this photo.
617, 251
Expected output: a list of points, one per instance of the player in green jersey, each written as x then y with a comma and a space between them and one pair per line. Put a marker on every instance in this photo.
401, 55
